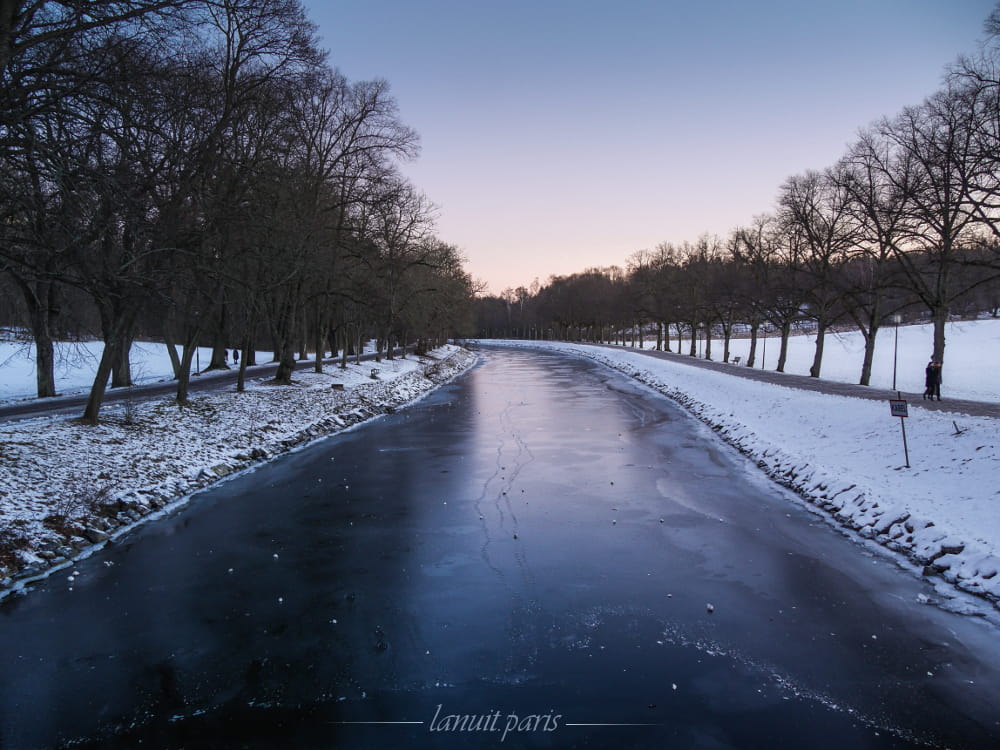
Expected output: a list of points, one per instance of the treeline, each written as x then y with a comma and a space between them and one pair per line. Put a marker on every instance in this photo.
196, 171
906, 223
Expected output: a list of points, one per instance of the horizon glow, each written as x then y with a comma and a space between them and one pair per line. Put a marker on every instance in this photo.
565, 135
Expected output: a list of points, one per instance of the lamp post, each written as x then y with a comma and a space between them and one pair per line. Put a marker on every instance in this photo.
895, 349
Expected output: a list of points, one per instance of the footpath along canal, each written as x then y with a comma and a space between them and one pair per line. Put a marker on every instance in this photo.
541, 554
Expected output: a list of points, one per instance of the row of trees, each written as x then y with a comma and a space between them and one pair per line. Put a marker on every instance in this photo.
196, 171
906, 222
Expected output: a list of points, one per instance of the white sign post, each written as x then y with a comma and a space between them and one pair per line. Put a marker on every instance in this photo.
897, 407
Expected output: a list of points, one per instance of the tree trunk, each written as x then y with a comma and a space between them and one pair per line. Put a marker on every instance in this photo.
170, 341
220, 344
708, 341
45, 383
40, 298
786, 331
116, 325
286, 365
92, 411
320, 344
121, 370
335, 338
184, 370
818, 356
866, 364
693, 351
117, 335
247, 358
752, 356
241, 378
940, 318
304, 341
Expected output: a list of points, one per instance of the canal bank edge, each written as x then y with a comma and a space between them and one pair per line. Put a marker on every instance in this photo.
936, 554
30, 557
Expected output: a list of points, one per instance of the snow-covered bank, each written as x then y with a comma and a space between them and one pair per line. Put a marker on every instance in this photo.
845, 455
65, 487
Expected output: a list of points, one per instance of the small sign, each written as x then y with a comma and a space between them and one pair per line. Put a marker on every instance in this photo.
898, 408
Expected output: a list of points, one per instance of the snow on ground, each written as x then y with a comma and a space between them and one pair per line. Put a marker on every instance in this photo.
846, 456
65, 486
76, 363
972, 357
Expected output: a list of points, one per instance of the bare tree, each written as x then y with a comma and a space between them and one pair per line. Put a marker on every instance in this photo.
770, 251
815, 205
937, 140
977, 78
879, 180
400, 224
51, 55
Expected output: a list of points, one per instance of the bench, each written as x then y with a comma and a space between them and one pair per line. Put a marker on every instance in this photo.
374, 373
737, 360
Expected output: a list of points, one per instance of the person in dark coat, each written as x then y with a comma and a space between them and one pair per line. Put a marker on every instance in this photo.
932, 380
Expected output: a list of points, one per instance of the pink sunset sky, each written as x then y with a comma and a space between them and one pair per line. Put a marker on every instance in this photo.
559, 135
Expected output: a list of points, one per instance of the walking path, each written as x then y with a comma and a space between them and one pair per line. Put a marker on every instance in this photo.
200, 383
806, 383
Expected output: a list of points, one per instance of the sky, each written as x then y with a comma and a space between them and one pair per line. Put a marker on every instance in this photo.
559, 135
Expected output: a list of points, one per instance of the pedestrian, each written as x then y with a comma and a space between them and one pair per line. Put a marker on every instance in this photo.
932, 380
236, 356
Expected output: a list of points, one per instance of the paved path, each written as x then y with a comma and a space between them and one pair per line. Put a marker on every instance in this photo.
210, 381
961, 406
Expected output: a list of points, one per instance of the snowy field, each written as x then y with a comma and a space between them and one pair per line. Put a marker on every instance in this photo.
76, 363
65, 486
972, 357
845, 454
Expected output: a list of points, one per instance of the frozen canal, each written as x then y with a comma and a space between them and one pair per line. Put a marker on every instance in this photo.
539, 555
